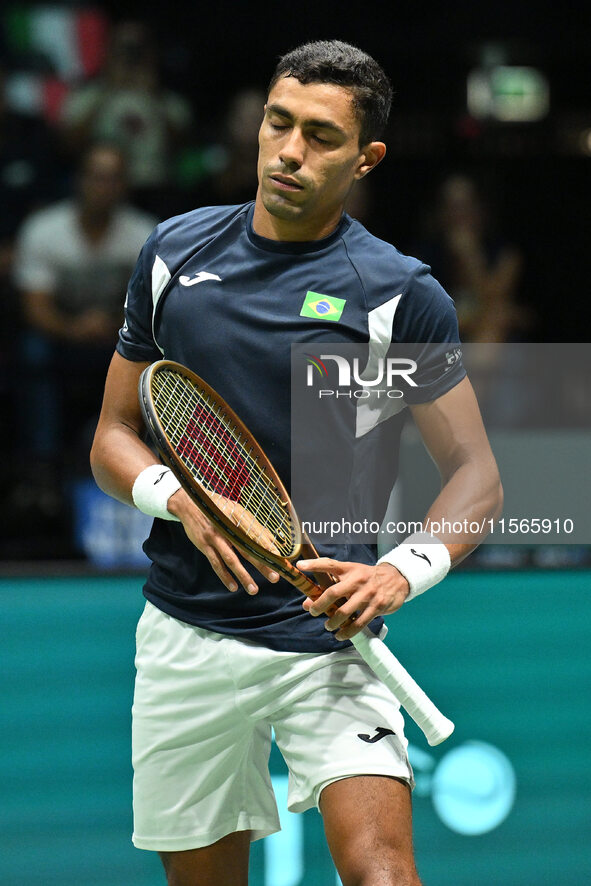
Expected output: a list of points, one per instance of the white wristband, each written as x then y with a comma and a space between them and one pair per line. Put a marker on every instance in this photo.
422, 559
152, 489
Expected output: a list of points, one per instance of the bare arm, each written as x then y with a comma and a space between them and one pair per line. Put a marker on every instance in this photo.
118, 455
453, 432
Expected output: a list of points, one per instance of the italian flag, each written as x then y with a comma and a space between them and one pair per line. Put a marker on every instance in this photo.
72, 43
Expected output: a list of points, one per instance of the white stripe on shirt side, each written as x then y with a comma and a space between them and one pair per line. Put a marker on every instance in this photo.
373, 410
160, 279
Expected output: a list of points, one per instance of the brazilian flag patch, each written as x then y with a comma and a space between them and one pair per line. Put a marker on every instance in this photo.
322, 307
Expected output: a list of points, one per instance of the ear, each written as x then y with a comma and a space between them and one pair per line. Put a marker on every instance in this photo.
372, 154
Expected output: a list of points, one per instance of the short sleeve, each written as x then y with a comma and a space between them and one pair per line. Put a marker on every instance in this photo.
428, 322
136, 338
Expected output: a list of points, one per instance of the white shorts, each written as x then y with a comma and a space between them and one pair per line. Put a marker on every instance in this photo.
203, 710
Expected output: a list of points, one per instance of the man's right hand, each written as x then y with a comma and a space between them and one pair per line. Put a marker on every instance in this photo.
221, 555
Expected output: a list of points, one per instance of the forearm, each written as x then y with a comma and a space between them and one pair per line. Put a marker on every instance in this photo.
471, 493
118, 455
460, 515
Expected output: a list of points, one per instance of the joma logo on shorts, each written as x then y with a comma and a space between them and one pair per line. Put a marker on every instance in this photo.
380, 733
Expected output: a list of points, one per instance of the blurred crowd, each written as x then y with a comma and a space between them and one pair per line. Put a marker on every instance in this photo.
81, 189
79, 195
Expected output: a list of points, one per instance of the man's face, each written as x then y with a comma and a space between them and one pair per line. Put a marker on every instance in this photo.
309, 155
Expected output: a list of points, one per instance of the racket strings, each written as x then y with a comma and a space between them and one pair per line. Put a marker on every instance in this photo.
221, 460
223, 464
207, 446
251, 500
206, 439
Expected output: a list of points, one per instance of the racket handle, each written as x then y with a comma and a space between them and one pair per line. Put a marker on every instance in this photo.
384, 663
380, 659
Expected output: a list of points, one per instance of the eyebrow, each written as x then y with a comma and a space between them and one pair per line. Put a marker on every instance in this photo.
317, 123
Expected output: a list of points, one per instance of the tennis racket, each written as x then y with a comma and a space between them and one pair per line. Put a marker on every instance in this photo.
225, 472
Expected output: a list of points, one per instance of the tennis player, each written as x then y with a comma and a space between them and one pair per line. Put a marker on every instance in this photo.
226, 290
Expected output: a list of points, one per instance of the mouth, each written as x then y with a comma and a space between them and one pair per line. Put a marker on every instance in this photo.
285, 182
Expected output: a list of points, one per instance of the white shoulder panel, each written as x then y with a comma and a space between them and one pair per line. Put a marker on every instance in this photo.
160, 278
375, 409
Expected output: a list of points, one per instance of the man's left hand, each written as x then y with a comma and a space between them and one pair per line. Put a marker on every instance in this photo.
360, 590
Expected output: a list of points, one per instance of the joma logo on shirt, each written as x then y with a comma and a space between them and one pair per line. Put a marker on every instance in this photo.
199, 277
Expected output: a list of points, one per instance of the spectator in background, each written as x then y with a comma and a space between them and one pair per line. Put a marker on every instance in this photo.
482, 272
479, 269
29, 177
73, 260
128, 105
234, 183
227, 169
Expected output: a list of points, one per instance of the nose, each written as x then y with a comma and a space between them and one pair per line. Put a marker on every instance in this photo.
292, 149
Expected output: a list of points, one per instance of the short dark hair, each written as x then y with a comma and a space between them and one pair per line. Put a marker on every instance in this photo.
332, 61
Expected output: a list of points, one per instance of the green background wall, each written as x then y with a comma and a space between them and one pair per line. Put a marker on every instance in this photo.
505, 655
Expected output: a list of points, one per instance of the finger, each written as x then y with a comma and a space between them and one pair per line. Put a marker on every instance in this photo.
355, 624
220, 553
326, 602
347, 611
267, 571
320, 564
223, 557
319, 605
227, 565
308, 603
349, 631
222, 573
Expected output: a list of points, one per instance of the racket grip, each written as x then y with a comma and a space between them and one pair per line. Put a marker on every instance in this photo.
384, 663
